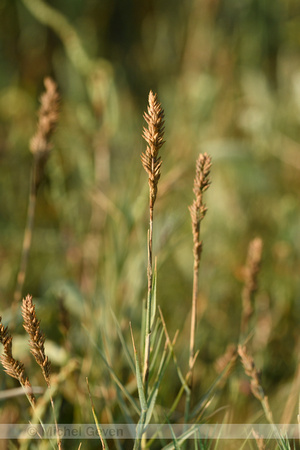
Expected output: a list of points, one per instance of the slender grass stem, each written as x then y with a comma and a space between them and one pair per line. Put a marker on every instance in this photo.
27, 239
153, 135
40, 147
148, 309
197, 211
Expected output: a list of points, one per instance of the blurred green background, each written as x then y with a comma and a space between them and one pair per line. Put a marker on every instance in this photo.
228, 76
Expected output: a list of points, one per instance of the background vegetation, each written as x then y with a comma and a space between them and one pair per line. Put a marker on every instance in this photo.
228, 76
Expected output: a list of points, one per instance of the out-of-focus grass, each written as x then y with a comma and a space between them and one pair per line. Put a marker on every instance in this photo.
228, 76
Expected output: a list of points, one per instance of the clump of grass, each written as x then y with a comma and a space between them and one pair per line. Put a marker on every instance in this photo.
16, 369
156, 354
40, 147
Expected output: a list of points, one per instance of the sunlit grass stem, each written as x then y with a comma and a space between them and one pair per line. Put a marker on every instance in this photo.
197, 211
153, 135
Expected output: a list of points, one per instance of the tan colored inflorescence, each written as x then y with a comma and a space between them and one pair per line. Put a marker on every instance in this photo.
198, 208
40, 144
12, 366
47, 119
37, 338
251, 271
154, 138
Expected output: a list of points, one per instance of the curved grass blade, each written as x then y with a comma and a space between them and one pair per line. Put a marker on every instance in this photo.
171, 347
141, 424
99, 431
210, 391
115, 377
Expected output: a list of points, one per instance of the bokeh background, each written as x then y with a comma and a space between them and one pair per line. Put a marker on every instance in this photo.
228, 76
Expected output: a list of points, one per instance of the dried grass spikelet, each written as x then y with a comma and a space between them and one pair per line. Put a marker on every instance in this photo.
154, 138
251, 271
254, 374
37, 338
198, 208
40, 145
12, 366
259, 441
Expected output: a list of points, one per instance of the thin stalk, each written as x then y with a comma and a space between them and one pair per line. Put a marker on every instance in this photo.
148, 308
40, 147
99, 430
27, 239
197, 211
153, 135
255, 376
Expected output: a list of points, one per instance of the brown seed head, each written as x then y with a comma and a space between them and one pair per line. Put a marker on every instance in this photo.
37, 338
251, 271
252, 372
12, 366
153, 135
198, 208
47, 119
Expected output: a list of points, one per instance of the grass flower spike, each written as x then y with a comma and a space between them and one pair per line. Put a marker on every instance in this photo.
198, 211
255, 375
36, 342
154, 138
12, 366
37, 338
151, 161
198, 208
40, 144
251, 271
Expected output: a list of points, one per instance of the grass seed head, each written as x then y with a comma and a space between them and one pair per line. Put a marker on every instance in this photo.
153, 135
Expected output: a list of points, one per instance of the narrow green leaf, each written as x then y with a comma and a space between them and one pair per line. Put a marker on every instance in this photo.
183, 437
153, 296
159, 376
157, 348
171, 347
124, 345
99, 430
127, 415
143, 328
176, 446
202, 402
114, 376
139, 380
